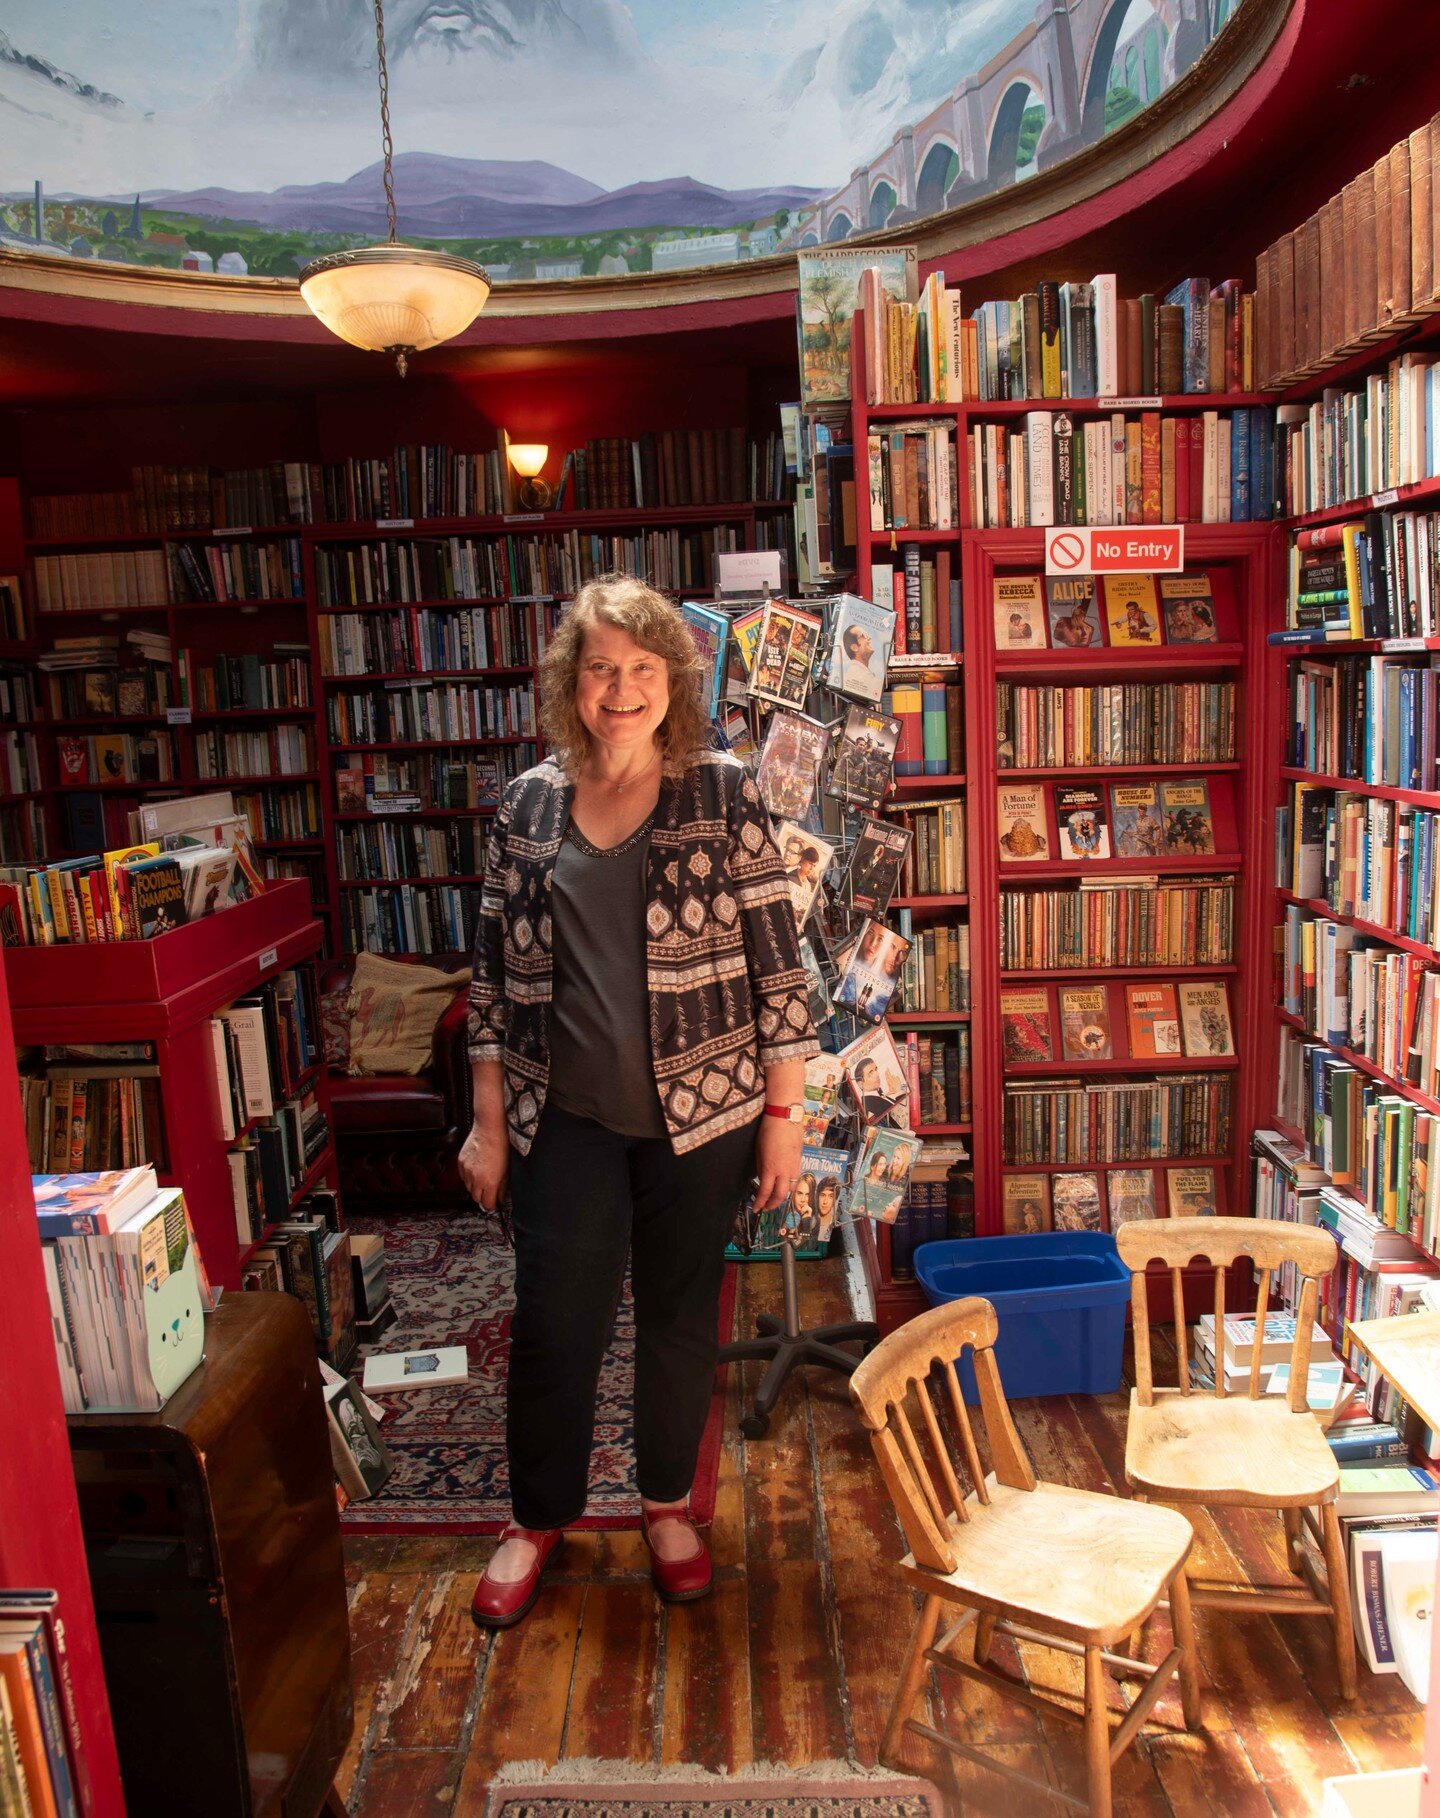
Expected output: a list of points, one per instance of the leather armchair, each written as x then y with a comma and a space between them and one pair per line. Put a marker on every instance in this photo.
397, 1135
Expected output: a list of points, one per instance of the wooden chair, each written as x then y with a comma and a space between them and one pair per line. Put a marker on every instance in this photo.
1050, 1564
1224, 1451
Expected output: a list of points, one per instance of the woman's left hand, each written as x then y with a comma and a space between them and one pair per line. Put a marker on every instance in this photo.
777, 1160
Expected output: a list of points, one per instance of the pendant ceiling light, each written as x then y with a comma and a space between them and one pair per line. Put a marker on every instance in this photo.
393, 298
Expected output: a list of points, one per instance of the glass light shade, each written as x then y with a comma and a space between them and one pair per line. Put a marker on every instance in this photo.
384, 298
527, 458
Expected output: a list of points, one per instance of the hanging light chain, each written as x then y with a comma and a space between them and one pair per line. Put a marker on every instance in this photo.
387, 142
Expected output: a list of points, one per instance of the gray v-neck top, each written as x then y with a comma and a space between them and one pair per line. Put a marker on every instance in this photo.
600, 1062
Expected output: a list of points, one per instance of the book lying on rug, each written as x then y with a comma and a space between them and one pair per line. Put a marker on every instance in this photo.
437, 1369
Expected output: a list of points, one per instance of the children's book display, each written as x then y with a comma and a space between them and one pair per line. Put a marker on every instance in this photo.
797, 690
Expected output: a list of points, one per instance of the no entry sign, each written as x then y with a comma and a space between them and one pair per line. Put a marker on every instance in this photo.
1123, 549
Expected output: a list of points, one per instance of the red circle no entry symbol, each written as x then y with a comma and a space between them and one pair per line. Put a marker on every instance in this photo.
1067, 551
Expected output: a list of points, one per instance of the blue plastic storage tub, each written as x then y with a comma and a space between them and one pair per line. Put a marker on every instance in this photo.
1060, 1297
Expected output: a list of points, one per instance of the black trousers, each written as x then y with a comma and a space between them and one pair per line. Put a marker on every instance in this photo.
583, 1200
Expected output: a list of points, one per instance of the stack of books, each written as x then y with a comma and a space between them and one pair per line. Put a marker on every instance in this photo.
1388, 1517
307, 1256
1327, 1387
128, 1291
374, 1309
42, 1764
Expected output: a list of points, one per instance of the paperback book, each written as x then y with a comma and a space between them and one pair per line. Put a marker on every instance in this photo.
1080, 821
1132, 611
1205, 1019
1190, 1192
1025, 1028
1019, 604
1189, 609
440, 1368
1076, 1202
1131, 1193
1020, 813
1152, 1021
1025, 1204
1185, 811
1073, 610
1135, 814
1085, 1023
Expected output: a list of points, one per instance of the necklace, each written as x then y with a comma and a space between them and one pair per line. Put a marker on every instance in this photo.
619, 788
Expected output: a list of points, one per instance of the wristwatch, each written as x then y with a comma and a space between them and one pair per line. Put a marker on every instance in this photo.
793, 1114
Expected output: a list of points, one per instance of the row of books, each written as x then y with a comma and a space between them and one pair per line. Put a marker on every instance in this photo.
1174, 818
936, 973
1117, 1121
924, 593
104, 650
1064, 612
312, 1261
415, 712
127, 1288
42, 1761
1143, 922
276, 751
1356, 992
271, 1160
14, 620
111, 690
24, 835
159, 498
115, 757
923, 1217
1216, 467
17, 696
1087, 1201
417, 639
281, 814
1361, 439
278, 677
1371, 718
265, 1044
235, 571
409, 919
1159, 1021
1047, 725
930, 710
913, 477
675, 561
282, 868
1368, 858
383, 782
935, 861
403, 570
938, 1069
671, 467
91, 579
389, 851
20, 771
92, 1114
1358, 264
130, 893
1374, 577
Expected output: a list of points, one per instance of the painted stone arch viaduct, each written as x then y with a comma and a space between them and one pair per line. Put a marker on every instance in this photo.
965, 146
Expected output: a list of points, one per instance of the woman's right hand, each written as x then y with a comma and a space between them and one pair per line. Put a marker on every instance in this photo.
484, 1163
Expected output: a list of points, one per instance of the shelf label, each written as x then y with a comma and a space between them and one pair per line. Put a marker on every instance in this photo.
1393, 646
529, 599
523, 517
1391, 496
234, 530
1124, 549
177, 716
269, 956
1122, 403
394, 523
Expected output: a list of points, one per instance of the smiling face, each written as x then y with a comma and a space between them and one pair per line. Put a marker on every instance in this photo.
622, 691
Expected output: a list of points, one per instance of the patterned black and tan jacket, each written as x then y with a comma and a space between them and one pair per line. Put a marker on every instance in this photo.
726, 988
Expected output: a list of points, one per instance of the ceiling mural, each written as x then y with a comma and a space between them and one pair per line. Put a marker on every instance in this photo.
549, 139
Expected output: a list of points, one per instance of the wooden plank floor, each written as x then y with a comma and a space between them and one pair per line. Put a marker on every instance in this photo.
794, 1657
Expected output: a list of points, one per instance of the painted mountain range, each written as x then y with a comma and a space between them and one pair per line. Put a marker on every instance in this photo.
485, 198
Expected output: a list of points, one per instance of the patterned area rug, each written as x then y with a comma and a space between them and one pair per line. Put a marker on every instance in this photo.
746, 1799
452, 1281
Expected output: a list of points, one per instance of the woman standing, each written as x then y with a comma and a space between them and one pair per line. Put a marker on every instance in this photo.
638, 1036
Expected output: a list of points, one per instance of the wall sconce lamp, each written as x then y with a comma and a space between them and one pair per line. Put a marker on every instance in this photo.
527, 459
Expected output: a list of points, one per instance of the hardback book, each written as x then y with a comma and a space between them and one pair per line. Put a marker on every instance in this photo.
1019, 613
1189, 609
1131, 1192
1080, 821
1190, 1192
1132, 611
806, 858
1085, 1022
1025, 1202
882, 1173
830, 278
1075, 1202
1275, 1344
787, 775
1326, 1384
862, 638
1387, 1490
440, 1368
863, 759
1185, 811
1152, 1021
1139, 831
1205, 1018
80, 1205
870, 970
785, 655
876, 1078
1025, 1028
876, 860
1073, 611
363, 1462
1020, 812
710, 629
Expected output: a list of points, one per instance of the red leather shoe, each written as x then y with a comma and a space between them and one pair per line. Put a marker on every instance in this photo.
501, 1606
677, 1580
